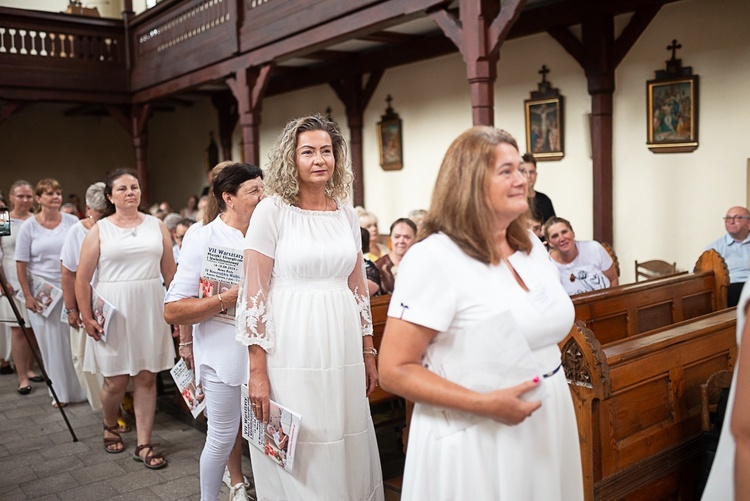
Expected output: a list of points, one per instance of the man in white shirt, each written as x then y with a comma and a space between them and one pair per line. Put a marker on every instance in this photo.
734, 247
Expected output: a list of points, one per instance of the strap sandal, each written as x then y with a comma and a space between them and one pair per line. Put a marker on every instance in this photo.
113, 441
152, 460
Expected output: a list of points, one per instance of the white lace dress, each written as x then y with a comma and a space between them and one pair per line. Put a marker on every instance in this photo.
311, 321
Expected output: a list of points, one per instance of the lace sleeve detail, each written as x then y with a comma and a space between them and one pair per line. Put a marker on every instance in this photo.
357, 283
253, 320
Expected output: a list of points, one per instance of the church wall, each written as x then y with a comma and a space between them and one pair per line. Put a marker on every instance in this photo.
666, 206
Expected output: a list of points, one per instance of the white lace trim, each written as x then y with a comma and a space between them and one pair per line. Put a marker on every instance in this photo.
363, 305
247, 320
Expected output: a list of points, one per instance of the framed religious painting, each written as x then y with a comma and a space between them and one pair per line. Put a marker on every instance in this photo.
389, 139
672, 107
544, 127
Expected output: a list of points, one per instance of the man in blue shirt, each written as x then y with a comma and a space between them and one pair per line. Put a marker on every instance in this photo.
734, 247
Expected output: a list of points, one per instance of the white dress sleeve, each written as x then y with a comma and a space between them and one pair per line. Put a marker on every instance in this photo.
358, 277
424, 294
23, 241
253, 325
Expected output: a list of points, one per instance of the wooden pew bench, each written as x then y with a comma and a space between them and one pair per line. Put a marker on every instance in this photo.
627, 310
638, 405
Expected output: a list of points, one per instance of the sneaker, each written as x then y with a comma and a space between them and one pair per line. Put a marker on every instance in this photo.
227, 479
238, 493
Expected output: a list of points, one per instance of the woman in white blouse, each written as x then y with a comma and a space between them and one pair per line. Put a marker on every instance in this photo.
37, 255
220, 363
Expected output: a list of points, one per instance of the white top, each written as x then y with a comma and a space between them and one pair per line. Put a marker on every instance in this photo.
586, 272
40, 247
454, 455
8, 251
213, 341
720, 483
70, 254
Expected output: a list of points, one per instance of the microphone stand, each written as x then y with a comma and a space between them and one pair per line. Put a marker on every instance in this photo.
22, 324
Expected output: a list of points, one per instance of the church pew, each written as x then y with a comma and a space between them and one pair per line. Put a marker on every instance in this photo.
379, 310
631, 309
638, 407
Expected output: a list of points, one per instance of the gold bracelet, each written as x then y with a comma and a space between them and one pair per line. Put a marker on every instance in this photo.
370, 351
182, 345
221, 303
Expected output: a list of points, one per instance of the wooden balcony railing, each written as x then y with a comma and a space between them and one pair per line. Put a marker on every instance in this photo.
42, 51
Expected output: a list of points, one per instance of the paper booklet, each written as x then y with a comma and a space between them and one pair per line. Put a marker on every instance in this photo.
277, 438
102, 310
46, 294
490, 355
191, 392
221, 269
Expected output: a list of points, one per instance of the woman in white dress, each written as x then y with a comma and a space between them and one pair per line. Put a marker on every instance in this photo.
729, 478
21, 198
131, 253
37, 255
304, 314
472, 335
69, 258
220, 363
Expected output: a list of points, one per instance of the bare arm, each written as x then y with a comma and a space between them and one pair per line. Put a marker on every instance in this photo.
740, 419
86, 266
401, 372
69, 297
23, 279
192, 310
168, 266
611, 274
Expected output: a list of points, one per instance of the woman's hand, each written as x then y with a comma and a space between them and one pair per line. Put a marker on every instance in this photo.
229, 297
505, 406
259, 390
32, 304
74, 319
371, 373
186, 352
93, 328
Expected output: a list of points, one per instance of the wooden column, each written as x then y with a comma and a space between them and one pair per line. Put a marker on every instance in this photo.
139, 131
481, 30
248, 87
599, 54
226, 108
355, 98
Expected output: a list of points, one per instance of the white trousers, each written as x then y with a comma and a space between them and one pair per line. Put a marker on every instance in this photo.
223, 406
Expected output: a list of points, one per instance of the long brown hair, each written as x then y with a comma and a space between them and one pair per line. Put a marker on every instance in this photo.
460, 205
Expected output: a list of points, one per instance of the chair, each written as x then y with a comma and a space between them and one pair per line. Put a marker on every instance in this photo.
655, 268
710, 393
611, 252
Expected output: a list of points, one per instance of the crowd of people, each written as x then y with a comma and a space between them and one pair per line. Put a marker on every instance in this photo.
265, 280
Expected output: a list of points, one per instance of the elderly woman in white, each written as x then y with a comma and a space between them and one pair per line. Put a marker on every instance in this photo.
220, 363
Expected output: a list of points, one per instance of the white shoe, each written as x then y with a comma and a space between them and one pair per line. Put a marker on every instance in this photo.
238, 493
227, 479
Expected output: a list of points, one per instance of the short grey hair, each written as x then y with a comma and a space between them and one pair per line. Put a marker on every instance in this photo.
171, 220
95, 198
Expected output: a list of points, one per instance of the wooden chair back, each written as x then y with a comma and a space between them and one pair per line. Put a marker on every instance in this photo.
710, 393
655, 268
611, 252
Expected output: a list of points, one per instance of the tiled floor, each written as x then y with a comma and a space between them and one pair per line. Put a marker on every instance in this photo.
40, 460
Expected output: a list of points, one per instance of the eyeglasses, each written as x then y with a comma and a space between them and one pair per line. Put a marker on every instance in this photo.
731, 219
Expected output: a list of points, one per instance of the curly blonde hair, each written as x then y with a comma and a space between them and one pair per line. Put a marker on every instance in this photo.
282, 175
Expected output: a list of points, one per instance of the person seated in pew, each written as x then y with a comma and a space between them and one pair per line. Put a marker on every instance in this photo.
734, 247
539, 203
372, 272
403, 235
584, 266
535, 225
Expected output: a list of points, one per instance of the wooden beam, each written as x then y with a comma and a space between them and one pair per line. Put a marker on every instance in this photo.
248, 87
9, 108
502, 24
120, 117
570, 43
635, 28
390, 37
450, 26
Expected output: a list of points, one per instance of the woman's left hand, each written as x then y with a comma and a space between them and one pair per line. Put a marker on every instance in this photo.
371, 373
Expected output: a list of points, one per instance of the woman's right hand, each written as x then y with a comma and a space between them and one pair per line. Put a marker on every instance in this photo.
32, 304
93, 328
259, 391
74, 319
507, 407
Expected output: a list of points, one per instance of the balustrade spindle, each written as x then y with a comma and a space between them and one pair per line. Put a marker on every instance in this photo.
43, 36
12, 33
2, 41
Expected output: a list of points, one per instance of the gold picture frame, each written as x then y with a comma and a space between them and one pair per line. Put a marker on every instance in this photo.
545, 128
672, 121
391, 144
